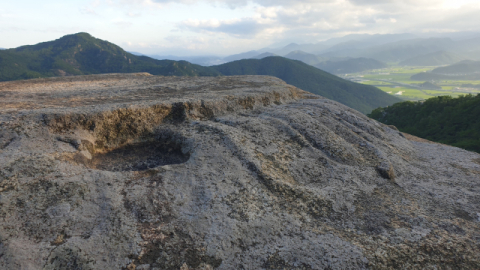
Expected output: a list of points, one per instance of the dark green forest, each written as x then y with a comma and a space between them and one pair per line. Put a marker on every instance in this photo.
453, 121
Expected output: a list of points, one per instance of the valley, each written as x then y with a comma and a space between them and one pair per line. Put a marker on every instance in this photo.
396, 80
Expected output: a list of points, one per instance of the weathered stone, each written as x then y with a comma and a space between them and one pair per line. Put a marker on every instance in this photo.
386, 170
147, 172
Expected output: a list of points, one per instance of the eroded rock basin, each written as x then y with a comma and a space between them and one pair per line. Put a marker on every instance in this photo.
139, 156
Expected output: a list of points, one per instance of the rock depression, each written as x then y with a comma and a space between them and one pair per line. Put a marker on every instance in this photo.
146, 172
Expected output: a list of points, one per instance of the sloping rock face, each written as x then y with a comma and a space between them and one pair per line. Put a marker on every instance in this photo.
146, 172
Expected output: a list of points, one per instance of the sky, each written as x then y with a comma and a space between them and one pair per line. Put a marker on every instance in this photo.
223, 27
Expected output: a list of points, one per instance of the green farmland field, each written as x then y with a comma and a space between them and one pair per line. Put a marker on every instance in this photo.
407, 93
395, 79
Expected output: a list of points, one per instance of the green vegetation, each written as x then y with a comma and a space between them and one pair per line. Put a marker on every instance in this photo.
363, 98
350, 65
430, 86
395, 78
406, 93
453, 121
81, 54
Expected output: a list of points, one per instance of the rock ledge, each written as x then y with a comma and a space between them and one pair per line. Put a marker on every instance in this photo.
133, 171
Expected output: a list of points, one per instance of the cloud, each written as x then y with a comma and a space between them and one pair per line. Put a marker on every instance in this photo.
228, 3
88, 11
243, 28
317, 18
262, 22
122, 24
133, 14
191, 43
6, 15
464, 19
289, 3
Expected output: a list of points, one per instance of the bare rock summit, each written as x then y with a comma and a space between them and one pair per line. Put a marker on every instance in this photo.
133, 171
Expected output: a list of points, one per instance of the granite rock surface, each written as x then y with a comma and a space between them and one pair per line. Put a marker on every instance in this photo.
246, 172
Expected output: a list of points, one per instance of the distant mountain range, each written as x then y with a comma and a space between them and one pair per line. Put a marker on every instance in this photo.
307, 58
464, 70
433, 59
263, 55
363, 98
402, 50
245, 55
309, 53
198, 60
343, 45
433, 49
351, 65
81, 54
387, 48
334, 65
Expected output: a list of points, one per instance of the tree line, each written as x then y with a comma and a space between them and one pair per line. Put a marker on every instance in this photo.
443, 119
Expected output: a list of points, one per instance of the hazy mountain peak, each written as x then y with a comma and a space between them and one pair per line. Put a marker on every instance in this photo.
297, 52
292, 45
263, 55
351, 65
305, 57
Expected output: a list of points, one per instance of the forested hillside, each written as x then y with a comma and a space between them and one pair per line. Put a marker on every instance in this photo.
453, 121
363, 98
81, 54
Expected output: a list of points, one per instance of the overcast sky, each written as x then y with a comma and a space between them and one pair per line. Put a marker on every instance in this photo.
222, 27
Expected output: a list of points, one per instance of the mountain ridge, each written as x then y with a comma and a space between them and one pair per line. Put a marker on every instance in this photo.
307, 58
358, 96
351, 65
433, 59
82, 54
